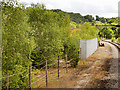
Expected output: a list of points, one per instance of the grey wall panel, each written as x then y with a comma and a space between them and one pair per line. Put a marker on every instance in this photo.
91, 47
88, 47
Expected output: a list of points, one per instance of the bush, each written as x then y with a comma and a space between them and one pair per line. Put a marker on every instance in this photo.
113, 39
118, 40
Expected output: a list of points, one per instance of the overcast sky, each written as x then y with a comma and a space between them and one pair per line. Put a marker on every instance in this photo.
103, 8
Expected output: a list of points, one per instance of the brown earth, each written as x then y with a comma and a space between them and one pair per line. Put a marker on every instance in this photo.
88, 74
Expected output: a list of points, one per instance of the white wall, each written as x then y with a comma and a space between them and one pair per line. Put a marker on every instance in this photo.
88, 47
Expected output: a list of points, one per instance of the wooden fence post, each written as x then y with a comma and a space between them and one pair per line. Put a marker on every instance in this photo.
30, 77
58, 67
66, 64
7, 81
46, 74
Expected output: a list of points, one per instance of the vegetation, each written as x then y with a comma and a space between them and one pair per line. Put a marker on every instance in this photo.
34, 34
103, 32
76, 17
16, 44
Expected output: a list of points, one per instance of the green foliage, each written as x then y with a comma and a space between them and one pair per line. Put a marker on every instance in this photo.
87, 31
15, 44
35, 34
50, 35
74, 48
118, 39
76, 17
113, 21
113, 39
106, 32
101, 19
118, 32
97, 18
98, 23
89, 18
73, 24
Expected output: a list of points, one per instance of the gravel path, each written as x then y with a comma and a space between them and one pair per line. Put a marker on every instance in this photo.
100, 70
111, 79
110, 68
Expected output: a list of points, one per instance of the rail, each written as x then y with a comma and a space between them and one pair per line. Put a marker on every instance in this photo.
114, 43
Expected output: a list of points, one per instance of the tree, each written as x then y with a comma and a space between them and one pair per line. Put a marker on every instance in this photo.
97, 18
15, 44
106, 32
89, 18
47, 32
102, 19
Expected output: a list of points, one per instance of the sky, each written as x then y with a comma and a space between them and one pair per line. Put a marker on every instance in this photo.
102, 8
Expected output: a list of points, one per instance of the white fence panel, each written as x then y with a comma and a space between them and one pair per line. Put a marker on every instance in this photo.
88, 47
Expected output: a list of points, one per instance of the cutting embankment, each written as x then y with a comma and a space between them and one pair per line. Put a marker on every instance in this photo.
100, 70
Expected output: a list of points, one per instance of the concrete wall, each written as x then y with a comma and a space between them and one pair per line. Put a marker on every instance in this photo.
88, 47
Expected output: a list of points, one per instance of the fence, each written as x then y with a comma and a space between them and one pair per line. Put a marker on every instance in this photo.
44, 78
88, 47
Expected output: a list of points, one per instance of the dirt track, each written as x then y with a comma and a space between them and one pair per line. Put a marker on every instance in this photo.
100, 70
111, 78
104, 70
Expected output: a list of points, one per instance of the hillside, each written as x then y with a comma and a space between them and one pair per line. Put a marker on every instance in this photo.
78, 18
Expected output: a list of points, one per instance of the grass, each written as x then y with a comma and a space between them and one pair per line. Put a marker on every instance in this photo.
52, 76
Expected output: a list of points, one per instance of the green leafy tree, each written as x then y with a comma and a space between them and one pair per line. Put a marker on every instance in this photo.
87, 31
47, 33
89, 18
106, 32
15, 44
97, 18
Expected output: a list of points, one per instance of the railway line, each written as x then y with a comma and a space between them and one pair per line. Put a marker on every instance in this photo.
113, 77
114, 43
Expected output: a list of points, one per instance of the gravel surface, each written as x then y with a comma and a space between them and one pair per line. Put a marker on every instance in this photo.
100, 70
111, 79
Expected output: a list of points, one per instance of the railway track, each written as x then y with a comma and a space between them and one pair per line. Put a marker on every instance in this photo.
114, 43
111, 80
